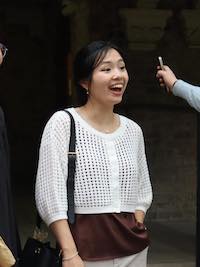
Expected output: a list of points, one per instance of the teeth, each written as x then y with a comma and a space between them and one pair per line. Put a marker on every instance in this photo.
117, 87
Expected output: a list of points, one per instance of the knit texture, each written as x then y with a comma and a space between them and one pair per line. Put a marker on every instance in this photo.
111, 169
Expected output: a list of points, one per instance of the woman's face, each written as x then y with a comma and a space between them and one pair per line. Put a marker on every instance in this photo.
1, 57
109, 80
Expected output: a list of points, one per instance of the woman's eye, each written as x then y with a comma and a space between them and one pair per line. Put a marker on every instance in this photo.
106, 69
123, 67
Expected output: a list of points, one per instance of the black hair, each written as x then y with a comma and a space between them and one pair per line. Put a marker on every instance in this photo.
86, 60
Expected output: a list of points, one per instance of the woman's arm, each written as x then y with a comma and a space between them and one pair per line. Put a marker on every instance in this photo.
62, 233
51, 191
64, 237
144, 197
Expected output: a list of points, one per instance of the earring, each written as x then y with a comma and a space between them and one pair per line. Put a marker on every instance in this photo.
87, 91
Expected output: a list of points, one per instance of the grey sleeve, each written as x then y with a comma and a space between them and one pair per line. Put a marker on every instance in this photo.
188, 92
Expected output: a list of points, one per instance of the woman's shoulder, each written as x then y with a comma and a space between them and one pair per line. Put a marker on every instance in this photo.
59, 122
130, 123
59, 117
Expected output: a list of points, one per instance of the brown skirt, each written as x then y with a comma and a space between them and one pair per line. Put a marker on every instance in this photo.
108, 236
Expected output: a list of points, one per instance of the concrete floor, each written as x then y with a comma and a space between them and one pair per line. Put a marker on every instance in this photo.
172, 245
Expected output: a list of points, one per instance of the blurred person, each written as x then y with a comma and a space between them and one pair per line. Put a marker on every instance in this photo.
8, 227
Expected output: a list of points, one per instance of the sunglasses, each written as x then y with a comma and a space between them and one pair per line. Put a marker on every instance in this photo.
3, 49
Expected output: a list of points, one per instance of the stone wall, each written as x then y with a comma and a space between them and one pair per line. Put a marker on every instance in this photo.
35, 82
169, 124
148, 29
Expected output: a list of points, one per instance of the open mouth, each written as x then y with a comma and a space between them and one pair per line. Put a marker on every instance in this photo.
117, 87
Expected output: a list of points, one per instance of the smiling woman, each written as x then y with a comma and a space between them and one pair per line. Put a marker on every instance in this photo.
105, 89
112, 185
109, 80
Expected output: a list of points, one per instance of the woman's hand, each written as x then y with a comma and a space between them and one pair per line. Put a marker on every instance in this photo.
74, 262
139, 216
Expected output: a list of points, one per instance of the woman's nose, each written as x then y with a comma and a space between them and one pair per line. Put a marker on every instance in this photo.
117, 74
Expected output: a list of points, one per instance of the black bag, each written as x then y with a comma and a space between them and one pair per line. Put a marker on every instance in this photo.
37, 253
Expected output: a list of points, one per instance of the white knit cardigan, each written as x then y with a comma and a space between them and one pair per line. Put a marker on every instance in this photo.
111, 169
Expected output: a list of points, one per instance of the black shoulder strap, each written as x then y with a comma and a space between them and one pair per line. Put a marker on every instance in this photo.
71, 169
71, 174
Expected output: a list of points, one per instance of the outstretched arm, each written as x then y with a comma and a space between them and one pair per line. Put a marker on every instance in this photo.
179, 88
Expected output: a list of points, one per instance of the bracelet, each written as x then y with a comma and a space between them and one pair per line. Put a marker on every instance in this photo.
174, 83
71, 257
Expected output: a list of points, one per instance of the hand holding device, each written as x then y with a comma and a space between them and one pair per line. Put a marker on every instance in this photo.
161, 63
161, 79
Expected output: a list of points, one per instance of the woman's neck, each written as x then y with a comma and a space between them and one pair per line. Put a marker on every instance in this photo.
98, 112
100, 117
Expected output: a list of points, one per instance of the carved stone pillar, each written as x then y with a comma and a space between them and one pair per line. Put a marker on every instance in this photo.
192, 27
78, 12
198, 5
144, 27
147, 4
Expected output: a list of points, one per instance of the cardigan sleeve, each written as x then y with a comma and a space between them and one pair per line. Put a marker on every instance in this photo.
188, 92
50, 188
144, 197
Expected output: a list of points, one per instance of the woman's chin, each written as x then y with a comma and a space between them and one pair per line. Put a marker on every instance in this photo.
117, 100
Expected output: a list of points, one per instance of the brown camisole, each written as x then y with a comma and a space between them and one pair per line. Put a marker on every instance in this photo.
108, 236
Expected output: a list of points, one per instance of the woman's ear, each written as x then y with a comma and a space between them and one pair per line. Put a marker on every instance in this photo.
84, 84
